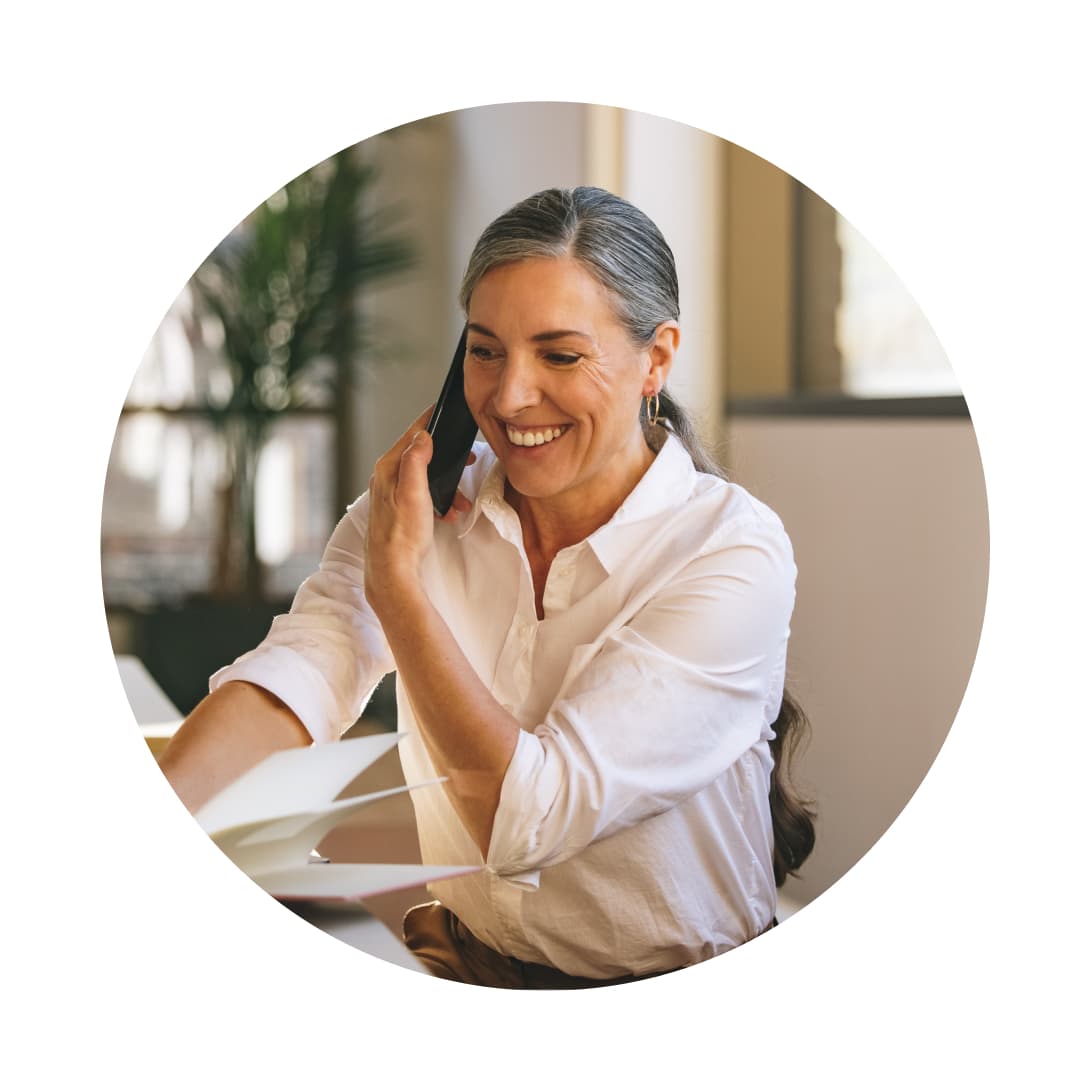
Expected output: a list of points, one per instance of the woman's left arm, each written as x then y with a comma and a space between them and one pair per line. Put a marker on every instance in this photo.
470, 737
657, 709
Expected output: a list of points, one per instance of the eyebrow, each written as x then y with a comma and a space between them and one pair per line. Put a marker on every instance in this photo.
551, 334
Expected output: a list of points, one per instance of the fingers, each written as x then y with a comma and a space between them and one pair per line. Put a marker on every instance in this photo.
419, 447
412, 465
406, 438
414, 447
460, 506
419, 423
388, 465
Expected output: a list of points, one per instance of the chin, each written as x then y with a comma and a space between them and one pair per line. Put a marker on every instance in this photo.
533, 487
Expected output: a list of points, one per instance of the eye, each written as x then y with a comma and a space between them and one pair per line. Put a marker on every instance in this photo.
557, 358
482, 354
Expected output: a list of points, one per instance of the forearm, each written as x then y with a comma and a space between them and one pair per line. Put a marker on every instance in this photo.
469, 735
229, 732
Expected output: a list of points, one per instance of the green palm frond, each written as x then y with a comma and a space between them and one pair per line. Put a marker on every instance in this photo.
285, 285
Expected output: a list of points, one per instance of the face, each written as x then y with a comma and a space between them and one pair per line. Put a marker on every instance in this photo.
555, 382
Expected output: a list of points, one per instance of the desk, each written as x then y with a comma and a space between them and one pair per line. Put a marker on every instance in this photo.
150, 705
387, 835
156, 715
352, 924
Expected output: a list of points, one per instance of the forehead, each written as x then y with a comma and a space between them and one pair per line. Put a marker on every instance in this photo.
542, 288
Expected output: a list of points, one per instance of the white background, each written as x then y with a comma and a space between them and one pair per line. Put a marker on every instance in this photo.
951, 135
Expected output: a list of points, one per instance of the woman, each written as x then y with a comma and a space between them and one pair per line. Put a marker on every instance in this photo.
590, 645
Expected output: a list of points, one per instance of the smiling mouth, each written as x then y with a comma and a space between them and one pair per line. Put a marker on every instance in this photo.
534, 437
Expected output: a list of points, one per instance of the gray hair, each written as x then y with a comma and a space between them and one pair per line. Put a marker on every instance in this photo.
616, 242
621, 248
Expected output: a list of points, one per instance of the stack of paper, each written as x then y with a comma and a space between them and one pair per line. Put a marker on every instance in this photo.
269, 821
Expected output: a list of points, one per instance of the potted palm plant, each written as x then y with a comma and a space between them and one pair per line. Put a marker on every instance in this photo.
284, 292
278, 303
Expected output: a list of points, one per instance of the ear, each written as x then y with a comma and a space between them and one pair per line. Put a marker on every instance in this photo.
660, 353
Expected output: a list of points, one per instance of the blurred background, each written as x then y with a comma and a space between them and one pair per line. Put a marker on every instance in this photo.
324, 324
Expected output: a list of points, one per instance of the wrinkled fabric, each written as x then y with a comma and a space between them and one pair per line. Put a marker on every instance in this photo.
633, 832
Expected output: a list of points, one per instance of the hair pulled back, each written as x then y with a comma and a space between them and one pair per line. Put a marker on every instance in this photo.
627, 254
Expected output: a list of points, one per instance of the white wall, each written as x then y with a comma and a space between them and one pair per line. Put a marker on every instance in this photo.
504, 153
889, 523
450, 176
676, 174
408, 316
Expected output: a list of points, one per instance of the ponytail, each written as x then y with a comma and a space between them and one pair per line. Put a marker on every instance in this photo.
792, 816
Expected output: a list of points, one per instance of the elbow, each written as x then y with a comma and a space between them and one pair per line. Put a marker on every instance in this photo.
475, 796
542, 815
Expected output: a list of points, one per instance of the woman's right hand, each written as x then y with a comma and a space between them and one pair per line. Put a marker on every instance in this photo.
401, 518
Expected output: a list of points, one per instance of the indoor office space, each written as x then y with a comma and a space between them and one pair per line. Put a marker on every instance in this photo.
274, 385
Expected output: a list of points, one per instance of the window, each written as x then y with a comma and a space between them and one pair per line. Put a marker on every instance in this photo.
167, 473
817, 319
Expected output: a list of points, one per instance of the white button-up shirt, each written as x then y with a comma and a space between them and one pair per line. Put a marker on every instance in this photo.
633, 831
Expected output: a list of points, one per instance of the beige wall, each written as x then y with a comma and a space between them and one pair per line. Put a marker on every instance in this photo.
889, 523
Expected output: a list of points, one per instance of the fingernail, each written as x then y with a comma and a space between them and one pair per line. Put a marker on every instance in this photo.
415, 435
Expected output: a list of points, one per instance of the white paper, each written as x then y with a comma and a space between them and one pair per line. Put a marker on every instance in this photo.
298, 780
286, 841
352, 881
269, 821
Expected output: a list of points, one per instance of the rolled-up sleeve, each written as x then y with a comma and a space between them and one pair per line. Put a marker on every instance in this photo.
325, 657
662, 707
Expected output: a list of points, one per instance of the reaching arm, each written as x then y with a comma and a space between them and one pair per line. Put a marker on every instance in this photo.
230, 731
307, 680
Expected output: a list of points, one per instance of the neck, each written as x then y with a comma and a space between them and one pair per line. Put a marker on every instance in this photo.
550, 525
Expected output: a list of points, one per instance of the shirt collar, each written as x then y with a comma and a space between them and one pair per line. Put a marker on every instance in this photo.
666, 485
489, 500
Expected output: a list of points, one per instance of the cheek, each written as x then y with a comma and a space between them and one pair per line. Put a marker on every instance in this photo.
472, 388
614, 397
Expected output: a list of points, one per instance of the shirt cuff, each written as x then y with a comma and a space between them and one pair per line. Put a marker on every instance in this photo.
514, 830
293, 680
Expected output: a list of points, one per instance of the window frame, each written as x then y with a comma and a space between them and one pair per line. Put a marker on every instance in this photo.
766, 367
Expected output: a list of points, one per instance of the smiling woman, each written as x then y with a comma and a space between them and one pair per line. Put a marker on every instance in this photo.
590, 645
555, 383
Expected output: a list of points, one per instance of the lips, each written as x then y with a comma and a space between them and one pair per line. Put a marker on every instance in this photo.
534, 436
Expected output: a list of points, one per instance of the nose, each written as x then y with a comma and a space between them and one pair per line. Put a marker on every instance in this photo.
517, 388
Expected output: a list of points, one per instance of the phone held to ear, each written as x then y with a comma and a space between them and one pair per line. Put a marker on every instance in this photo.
452, 430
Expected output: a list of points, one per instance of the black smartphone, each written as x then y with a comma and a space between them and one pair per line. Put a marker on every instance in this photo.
452, 431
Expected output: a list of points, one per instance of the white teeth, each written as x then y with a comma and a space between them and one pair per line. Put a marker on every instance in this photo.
534, 439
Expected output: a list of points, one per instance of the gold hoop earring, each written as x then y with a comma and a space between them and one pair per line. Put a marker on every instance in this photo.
652, 414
